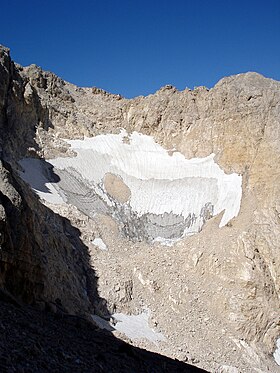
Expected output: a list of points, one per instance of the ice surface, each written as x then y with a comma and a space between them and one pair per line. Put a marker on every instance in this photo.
158, 182
169, 196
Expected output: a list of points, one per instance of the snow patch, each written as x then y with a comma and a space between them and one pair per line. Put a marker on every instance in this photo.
101, 323
100, 244
166, 241
276, 354
133, 326
136, 327
33, 174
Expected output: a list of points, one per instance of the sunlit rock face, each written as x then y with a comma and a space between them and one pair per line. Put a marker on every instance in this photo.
154, 196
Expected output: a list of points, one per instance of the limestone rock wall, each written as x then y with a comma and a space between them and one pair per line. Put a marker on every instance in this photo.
42, 258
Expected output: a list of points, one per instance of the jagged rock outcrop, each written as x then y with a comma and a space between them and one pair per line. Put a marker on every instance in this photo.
223, 283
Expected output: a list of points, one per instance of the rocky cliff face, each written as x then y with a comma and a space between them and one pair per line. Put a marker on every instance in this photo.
43, 259
215, 294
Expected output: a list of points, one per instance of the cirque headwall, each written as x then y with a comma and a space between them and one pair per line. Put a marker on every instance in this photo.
166, 204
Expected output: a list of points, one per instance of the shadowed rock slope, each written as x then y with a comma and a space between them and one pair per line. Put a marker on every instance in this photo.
36, 341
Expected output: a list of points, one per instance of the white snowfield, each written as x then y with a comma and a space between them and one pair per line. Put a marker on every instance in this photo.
33, 174
158, 182
172, 195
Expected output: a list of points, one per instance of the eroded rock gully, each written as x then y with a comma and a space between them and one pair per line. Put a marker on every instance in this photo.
171, 202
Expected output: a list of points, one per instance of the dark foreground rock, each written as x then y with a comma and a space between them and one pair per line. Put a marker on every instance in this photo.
35, 341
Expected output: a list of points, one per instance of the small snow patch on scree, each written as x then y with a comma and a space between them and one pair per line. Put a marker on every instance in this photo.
136, 327
133, 326
100, 244
276, 354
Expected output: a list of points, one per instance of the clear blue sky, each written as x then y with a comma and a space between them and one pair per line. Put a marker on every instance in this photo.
135, 47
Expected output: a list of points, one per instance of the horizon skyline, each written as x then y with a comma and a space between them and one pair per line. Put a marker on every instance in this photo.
151, 93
